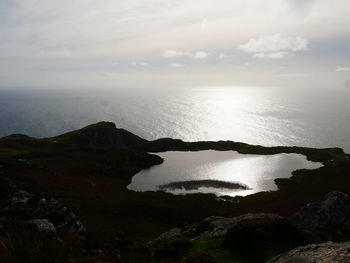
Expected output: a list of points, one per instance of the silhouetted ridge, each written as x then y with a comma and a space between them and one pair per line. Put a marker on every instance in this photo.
102, 134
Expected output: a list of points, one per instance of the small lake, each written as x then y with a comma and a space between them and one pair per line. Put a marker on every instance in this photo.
218, 172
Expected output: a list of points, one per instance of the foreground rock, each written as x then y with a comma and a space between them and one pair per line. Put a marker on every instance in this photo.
316, 253
43, 225
329, 215
257, 237
217, 225
46, 213
249, 238
214, 226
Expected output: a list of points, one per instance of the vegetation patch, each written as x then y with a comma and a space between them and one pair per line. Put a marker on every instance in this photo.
195, 184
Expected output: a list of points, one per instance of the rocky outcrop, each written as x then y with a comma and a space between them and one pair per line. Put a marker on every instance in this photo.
43, 225
46, 213
99, 135
170, 234
250, 237
214, 226
217, 225
316, 253
331, 214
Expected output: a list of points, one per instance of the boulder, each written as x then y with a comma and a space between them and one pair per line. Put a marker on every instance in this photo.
331, 214
212, 226
170, 234
6, 186
251, 237
316, 253
217, 225
33, 208
43, 225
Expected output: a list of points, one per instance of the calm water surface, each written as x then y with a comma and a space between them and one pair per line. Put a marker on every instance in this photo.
266, 116
256, 171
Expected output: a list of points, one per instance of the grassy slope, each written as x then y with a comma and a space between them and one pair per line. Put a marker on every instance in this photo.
93, 183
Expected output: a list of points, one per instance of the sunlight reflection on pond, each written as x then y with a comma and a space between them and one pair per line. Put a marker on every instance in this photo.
255, 171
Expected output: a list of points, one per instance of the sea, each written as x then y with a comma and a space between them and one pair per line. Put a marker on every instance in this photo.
257, 115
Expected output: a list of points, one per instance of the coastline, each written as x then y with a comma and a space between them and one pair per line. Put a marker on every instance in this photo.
87, 170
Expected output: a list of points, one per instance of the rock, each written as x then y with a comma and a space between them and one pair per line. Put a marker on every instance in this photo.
43, 225
212, 226
32, 207
187, 231
6, 186
16, 201
170, 234
316, 253
330, 214
217, 225
250, 236
24, 162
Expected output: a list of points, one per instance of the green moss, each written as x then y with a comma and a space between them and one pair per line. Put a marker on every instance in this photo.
252, 241
200, 257
260, 239
174, 249
214, 246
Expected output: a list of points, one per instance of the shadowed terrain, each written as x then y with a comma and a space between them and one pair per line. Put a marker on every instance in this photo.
88, 170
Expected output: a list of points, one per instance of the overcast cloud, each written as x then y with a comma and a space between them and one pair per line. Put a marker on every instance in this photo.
150, 42
274, 46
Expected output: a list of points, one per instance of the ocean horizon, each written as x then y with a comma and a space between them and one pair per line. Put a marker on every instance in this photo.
256, 115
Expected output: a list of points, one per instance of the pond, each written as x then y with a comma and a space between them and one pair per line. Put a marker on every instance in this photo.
218, 172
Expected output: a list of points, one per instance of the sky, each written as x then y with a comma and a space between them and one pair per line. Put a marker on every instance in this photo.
163, 43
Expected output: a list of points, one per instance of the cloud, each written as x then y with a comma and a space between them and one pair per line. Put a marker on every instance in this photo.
271, 55
177, 65
295, 75
68, 38
56, 54
339, 69
144, 64
223, 55
302, 6
199, 55
204, 24
175, 53
172, 54
141, 64
274, 46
